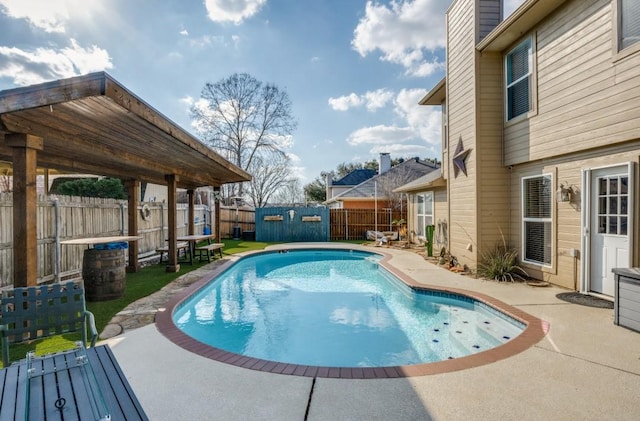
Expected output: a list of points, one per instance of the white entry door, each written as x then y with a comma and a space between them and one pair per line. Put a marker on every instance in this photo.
610, 224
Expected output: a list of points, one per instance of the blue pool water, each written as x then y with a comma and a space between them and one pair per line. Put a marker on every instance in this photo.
336, 308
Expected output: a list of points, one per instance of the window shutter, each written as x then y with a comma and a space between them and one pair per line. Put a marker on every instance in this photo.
630, 22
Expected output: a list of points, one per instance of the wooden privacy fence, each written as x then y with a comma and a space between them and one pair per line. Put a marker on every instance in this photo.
245, 220
283, 224
353, 224
66, 218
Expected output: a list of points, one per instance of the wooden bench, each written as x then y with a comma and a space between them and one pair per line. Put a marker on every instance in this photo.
210, 249
181, 246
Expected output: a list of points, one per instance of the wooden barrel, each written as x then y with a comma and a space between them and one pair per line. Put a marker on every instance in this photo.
103, 272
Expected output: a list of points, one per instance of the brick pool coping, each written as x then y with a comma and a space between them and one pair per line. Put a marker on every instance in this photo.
534, 331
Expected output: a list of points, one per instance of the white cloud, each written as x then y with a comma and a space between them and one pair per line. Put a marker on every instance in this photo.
43, 64
232, 10
187, 100
293, 157
425, 121
373, 100
417, 133
343, 103
184, 32
405, 32
282, 142
381, 135
377, 99
49, 15
399, 150
297, 170
206, 40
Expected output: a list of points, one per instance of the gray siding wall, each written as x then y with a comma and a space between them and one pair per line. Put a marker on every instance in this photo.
489, 16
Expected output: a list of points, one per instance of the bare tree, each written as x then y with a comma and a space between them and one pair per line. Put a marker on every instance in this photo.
290, 193
391, 180
241, 117
270, 171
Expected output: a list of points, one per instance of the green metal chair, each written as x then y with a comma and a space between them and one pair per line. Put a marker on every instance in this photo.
31, 313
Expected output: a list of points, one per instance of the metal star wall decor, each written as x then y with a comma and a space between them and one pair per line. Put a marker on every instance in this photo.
459, 158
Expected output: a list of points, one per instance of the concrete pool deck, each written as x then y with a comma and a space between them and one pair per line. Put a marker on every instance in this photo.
584, 368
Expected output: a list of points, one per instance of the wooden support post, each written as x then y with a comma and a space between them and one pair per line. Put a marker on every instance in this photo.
192, 218
133, 196
216, 224
172, 185
25, 218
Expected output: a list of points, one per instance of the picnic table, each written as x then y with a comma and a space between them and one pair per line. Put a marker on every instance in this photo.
193, 240
80, 384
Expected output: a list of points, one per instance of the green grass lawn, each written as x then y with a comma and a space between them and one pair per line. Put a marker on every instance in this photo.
138, 285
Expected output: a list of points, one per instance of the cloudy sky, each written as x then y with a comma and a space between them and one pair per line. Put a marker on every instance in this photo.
354, 69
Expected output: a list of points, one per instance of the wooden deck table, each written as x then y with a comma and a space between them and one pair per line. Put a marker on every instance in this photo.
92, 241
62, 388
103, 269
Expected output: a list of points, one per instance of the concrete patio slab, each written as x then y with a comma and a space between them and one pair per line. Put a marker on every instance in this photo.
584, 368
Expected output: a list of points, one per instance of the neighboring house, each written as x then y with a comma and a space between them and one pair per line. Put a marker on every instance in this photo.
541, 136
427, 205
355, 177
377, 191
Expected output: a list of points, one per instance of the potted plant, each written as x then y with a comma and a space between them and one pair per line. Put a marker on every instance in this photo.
402, 228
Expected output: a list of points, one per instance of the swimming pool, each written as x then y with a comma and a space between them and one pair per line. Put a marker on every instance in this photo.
336, 308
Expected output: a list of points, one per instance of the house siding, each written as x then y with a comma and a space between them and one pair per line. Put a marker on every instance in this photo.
461, 67
492, 176
585, 99
567, 170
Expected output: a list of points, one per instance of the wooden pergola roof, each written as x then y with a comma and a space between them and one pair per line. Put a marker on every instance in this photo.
92, 124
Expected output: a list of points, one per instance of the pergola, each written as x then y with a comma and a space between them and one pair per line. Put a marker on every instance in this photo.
92, 124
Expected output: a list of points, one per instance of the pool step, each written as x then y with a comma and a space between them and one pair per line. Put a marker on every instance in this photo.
470, 336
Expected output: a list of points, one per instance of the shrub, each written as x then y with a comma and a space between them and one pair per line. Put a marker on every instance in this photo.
500, 264
91, 187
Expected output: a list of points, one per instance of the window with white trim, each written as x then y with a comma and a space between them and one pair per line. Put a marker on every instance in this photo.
537, 195
629, 23
518, 68
424, 212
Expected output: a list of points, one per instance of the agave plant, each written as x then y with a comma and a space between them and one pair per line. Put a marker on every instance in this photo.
501, 264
